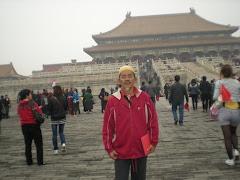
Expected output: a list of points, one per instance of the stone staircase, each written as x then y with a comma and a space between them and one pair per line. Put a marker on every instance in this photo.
200, 70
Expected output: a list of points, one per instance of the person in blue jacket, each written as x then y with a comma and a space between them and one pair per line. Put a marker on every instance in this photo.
75, 101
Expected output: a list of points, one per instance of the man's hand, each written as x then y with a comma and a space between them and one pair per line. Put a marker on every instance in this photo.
151, 148
113, 155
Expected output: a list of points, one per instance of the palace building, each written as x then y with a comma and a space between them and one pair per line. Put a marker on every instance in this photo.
182, 36
7, 73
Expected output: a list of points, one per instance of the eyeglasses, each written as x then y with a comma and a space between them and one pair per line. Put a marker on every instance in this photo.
130, 76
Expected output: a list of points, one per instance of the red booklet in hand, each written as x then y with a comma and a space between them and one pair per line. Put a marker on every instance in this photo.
146, 143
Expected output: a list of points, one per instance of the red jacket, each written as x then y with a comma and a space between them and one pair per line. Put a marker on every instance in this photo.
25, 112
128, 124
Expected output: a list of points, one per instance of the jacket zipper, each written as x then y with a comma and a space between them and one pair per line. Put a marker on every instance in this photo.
131, 129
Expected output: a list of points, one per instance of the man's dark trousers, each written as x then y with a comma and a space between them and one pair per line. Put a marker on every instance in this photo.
138, 168
205, 99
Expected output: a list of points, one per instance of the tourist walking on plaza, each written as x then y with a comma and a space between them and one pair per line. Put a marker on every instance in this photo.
103, 96
65, 93
70, 101
205, 88
194, 92
75, 98
152, 92
176, 99
44, 102
88, 101
7, 105
158, 89
229, 114
89, 89
38, 99
116, 89
112, 90
57, 107
129, 115
30, 128
212, 92
166, 90
84, 104
1, 107
143, 87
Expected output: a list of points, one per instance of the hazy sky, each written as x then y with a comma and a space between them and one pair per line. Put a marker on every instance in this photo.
37, 32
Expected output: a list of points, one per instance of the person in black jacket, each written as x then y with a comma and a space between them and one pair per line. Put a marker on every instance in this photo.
176, 98
57, 106
7, 104
166, 90
205, 88
193, 89
1, 106
103, 100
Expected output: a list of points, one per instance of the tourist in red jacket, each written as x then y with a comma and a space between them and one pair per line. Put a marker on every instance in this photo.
129, 115
30, 128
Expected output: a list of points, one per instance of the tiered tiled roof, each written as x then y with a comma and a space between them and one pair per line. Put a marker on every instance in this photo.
8, 71
159, 25
163, 24
162, 44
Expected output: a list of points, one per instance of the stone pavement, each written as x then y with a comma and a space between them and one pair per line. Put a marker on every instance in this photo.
192, 151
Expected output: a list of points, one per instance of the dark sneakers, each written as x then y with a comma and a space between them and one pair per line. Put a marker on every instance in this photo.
42, 164
176, 121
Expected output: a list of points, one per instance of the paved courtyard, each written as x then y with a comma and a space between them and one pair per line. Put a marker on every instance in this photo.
192, 151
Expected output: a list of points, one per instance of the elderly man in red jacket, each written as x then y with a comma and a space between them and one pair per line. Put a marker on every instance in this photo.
129, 116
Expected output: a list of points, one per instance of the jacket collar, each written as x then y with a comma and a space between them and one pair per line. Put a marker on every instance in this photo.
118, 93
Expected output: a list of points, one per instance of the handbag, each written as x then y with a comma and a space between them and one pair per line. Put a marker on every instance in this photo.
105, 98
36, 114
214, 113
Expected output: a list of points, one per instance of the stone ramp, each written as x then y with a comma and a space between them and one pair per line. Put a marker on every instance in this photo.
192, 151
200, 70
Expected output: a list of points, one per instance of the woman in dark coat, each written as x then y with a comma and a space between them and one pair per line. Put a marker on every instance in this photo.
57, 107
0, 114
103, 100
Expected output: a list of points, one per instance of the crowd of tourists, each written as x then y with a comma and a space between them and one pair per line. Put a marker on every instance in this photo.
72, 96
5, 105
225, 92
56, 105
120, 107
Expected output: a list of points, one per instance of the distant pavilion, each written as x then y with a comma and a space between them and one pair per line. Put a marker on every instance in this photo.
182, 36
7, 73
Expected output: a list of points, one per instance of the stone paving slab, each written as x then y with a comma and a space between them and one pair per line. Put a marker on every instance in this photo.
192, 151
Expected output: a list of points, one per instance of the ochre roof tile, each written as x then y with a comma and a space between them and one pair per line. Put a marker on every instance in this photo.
163, 24
7, 70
